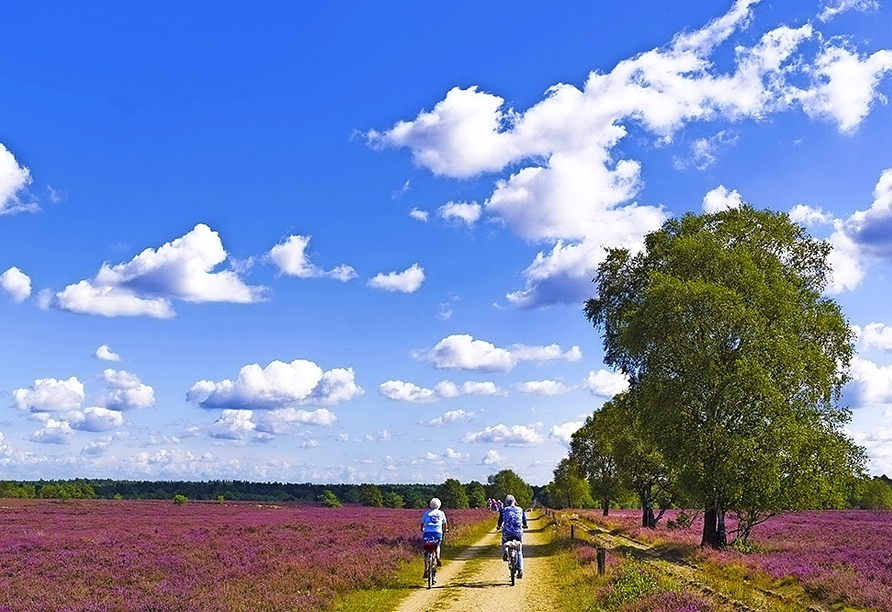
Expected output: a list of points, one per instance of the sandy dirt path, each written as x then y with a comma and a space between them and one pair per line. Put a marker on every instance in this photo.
478, 578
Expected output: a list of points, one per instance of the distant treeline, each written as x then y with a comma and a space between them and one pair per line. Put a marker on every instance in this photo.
393, 495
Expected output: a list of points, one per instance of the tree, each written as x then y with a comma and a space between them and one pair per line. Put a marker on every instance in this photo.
506, 482
370, 495
329, 499
476, 494
877, 495
591, 450
569, 489
735, 358
392, 499
452, 494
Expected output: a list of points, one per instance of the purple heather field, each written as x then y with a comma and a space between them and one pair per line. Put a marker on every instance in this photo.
839, 556
155, 556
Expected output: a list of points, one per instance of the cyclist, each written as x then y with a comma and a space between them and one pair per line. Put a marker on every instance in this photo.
433, 524
512, 522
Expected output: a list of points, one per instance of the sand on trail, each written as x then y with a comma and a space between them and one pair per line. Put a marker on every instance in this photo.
478, 578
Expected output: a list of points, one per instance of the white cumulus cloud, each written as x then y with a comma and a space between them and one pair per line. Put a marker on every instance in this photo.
515, 435
278, 385
564, 433
50, 395
182, 269
606, 383
876, 335
720, 199
96, 418
544, 387
125, 391
291, 258
53, 432
15, 284
461, 212
407, 281
452, 417
14, 178
563, 180
461, 351
104, 353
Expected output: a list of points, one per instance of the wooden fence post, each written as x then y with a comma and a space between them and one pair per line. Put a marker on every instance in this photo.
602, 560
571, 531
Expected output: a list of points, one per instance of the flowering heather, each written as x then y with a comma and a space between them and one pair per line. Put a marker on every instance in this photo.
152, 556
837, 555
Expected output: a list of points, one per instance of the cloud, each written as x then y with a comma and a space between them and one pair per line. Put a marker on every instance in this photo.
876, 335
704, 151
834, 7
461, 212
14, 178
870, 384
461, 351
50, 395
410, 392
453, 417
515, 435
606, 383
15, 284
419, 215
291, 258
53, 432
232, 425
569, 186
281, 420
407, 281
95, 419
125, 391
181, 269
543, 387
492, 458
278, 385
564, 433
104, 353
720, 199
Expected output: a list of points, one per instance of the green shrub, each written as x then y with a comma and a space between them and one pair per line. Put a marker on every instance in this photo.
180, 499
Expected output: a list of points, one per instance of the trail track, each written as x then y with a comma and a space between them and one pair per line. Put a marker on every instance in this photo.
478, 578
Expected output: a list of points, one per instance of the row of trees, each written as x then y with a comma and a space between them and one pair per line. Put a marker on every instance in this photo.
735, 361
452, 493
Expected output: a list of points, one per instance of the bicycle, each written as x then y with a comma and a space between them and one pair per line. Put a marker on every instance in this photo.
430, 561
513, 545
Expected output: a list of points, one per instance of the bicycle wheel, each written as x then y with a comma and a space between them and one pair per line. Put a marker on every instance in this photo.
430, 561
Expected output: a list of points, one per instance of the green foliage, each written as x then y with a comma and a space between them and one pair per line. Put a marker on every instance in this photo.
14, 489
569, 489
634, 580
78, 489
180, 499
476, 494
370, 495
506, 482
877, 495
591, 450
736, 361
329, 499
392, 499
118, 496
221, 499
452, 494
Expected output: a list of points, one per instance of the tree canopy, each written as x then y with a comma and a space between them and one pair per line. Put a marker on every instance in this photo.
506, 482
735, 358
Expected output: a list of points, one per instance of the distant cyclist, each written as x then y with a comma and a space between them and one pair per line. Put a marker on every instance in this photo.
512, 522
433, 524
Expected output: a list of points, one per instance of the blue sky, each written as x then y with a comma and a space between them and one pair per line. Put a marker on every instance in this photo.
340, 243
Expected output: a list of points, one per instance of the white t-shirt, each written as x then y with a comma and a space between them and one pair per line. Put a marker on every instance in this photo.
433, 521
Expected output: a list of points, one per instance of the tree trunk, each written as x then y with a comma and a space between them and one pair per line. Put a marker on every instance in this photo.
647, 508
714, 533
605, 505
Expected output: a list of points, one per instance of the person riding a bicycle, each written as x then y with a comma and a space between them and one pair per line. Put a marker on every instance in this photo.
433, 524
512, 522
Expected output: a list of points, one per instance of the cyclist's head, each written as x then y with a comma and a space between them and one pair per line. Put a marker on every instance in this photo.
435, 504
509, 500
